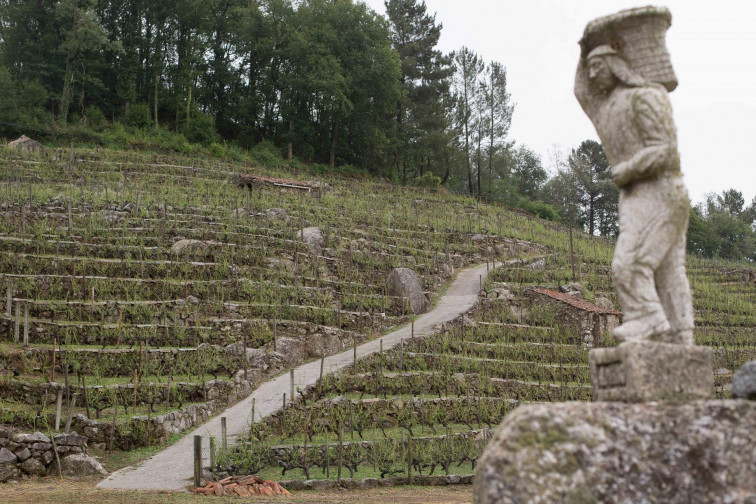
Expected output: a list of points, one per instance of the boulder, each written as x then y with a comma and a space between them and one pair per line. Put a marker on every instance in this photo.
24, 143
677, 453
313, 237
291, 349
744, 381
603, 302
33, 466
186, 246
322, 345
79, 464
405, 283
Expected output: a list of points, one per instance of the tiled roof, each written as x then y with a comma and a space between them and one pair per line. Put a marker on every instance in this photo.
580, 304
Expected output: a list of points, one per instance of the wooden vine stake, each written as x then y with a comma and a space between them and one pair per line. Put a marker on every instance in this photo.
135, 391
52, 369
197, 460
340, 457
409, 459
58, 408
224, 438
17, 325
291, 385
86, 394
70, 412
26, 325
212, 453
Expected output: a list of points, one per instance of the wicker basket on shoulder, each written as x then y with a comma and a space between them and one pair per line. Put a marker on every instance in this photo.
639, 36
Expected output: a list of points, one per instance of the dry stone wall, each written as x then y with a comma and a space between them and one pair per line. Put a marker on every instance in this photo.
34, 454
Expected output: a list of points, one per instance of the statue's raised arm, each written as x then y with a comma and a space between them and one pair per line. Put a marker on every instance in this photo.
622, 81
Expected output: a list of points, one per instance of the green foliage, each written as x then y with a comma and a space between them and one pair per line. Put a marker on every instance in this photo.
138, 116
22, 103
427, 180
723, 227
266, 154
540, 209
95, 119
201, 129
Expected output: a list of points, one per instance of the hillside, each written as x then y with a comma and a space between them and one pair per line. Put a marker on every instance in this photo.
162, 288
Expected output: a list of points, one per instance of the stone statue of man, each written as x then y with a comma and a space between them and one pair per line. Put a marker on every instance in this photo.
633, 118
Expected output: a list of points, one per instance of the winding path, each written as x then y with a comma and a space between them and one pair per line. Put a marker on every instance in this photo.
172, 468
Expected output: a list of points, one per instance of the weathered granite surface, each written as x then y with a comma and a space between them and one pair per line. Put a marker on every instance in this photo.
744, 382
648, 371
404, 282
702, 452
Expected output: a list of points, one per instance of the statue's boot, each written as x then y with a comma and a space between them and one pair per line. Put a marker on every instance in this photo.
642, 328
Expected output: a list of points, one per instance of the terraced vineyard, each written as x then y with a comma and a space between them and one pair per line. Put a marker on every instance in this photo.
142, 285
161, 288
429, 406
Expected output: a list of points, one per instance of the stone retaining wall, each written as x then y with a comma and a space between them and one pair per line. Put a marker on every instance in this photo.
143, 431
367, 483
34, 454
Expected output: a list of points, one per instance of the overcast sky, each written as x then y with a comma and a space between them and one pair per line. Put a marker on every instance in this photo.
713, 49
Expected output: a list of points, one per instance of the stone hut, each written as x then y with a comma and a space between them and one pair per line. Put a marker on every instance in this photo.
592, 320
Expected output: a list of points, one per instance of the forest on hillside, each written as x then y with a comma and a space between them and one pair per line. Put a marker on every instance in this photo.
328, 82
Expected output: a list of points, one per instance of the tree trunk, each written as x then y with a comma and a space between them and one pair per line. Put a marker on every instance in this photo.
399, 112
290, 147
479, 162
189, 98
334, 141
65, 97
155, 105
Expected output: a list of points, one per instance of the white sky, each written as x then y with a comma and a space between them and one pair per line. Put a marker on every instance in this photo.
713, 49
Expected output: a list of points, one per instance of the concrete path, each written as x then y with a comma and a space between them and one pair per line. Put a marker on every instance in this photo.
173, 469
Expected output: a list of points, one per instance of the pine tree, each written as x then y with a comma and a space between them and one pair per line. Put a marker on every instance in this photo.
420, 116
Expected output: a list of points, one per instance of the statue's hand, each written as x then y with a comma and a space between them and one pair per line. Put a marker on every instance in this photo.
621, 174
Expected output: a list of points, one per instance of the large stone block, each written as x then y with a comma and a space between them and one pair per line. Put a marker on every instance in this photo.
405, 283
638, 371
616, 453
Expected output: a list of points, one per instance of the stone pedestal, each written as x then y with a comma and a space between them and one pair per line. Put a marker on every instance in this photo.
639, 371
700, 452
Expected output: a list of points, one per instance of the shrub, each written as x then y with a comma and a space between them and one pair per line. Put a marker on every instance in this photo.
94, 118
201, 129
427, 180
217, 150
266, 154
138, 116
541, 209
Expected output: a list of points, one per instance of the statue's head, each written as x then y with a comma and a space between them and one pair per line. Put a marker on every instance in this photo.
606, 68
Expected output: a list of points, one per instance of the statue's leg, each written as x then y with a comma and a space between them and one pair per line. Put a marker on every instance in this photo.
647, 231
674, 292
